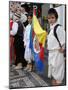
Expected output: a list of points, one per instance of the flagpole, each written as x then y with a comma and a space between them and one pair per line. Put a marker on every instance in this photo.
34, 9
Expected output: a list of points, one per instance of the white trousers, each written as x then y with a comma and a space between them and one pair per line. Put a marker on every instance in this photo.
56, 65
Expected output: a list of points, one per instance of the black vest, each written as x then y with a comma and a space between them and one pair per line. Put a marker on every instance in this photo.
20, 30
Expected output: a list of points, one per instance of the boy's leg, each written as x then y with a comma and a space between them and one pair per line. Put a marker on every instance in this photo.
27, 67
56, 82
31, 66
18, 59
53, 82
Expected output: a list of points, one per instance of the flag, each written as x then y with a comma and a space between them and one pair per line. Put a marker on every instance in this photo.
37, 42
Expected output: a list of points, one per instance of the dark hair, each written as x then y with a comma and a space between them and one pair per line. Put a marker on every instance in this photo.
30, 14
25, 6
53, 11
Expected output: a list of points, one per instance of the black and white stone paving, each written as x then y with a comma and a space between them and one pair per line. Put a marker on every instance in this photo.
24, 79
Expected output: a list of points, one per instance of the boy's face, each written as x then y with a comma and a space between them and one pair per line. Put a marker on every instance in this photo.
18, 11
15, 18
30, 19
51, 19
22, 9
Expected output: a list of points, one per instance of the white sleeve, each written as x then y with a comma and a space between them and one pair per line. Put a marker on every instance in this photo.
23, 18
14, 29
61, 35
25, 36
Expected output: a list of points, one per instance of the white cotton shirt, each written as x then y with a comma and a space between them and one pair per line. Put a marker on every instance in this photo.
14, 29
27, 34
23, 18
28, 54
52, 42
55, 58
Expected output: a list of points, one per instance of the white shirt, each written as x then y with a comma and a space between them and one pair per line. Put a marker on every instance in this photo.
14, 29
27, 35
51, 39
23, 17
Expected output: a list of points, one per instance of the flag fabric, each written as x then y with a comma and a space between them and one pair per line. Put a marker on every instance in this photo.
37, 42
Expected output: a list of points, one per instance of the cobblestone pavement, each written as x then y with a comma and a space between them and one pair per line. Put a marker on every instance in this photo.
22, 79
25, 79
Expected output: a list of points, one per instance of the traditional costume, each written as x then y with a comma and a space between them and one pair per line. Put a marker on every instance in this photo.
56, 58
17, 32
27, 55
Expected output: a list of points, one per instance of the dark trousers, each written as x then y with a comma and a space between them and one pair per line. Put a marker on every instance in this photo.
19, 49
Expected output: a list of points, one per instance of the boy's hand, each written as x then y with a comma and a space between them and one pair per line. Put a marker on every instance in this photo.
61, 50
24, 46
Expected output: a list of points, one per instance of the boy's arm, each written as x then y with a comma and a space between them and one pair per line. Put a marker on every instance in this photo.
14, 29
25, 36
61, 36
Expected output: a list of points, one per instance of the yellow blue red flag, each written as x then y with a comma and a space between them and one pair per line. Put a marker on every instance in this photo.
37, 43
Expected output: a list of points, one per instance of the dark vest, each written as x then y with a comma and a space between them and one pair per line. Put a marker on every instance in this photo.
20, 31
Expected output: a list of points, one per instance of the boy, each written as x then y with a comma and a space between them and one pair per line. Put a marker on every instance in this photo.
17, 32
24, 15
56, 57
28, 55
